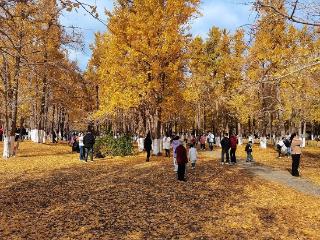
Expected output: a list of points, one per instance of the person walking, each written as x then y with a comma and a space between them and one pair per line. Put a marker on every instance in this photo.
175, 143
81, 146
193, 156
148, 145
88, 142
295, 154
225, 145
182, 159
211, 140
233, 149
249, 152
166, 145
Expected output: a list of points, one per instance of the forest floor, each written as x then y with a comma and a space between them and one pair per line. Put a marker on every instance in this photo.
47, 193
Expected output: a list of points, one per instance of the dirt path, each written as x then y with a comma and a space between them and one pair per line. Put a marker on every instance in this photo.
282, 177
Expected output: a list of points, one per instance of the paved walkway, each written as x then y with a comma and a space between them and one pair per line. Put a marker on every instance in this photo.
282, 177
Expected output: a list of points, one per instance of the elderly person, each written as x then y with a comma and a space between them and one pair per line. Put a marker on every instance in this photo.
295, 153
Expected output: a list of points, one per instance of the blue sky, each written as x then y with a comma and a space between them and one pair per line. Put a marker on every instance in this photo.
229, 14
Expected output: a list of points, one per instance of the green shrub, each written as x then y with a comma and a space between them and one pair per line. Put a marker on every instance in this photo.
109, 146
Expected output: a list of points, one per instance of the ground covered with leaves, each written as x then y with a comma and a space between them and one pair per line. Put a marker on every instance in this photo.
47, 193
309, 165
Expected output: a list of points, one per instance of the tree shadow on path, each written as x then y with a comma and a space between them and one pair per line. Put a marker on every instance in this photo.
129, 200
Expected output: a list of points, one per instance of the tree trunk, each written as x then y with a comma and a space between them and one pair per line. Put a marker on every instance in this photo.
240, 142
300, 129
312, 130
11, 100
304, 134
157, 132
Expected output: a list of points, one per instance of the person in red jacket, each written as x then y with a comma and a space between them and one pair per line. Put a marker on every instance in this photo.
233, 148
182, 159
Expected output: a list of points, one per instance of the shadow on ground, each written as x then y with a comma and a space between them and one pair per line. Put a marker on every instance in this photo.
131, 200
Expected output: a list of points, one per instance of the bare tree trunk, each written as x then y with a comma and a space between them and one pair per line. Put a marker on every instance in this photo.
304, 134
312, 130
300, 129
11, 100
157, 131
239, 134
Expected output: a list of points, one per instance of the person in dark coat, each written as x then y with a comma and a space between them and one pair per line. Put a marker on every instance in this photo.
287, 143
225, 145
148, 145
182, 160
88, 142
23, 133
17, 135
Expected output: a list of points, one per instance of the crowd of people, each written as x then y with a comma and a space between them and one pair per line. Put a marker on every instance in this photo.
184, 149
23, 133
20, 134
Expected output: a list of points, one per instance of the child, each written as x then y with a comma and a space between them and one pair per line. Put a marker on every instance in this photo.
193, 155
249, 152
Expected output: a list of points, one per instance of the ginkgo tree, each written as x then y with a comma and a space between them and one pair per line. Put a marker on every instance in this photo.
275, 73
143, 59
152, 75
34, 68
148, 73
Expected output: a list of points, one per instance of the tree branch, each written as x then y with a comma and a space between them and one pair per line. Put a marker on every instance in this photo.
284, 15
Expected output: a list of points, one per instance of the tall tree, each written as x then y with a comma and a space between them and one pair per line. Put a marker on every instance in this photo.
144, 59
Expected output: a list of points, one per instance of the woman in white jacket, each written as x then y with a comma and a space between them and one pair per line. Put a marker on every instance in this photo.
193, 156
166, 145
